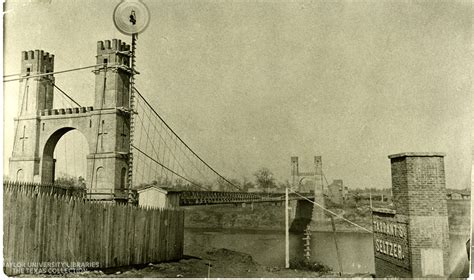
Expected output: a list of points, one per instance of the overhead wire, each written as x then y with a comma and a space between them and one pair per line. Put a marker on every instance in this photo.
50, 73
329, 211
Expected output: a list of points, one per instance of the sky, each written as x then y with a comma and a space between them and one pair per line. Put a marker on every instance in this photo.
248, 84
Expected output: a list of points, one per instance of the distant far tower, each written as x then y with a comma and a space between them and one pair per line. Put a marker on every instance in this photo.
306, 182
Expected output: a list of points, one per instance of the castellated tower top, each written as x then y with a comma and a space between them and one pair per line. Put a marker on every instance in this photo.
37, 61
115, 46
112, 82
113, 53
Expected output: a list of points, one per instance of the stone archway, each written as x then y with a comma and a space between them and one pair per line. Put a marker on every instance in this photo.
106, 126
306, 184
48, 163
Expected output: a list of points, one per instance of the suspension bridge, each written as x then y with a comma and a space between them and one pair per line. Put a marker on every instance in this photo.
130, 146
130, 143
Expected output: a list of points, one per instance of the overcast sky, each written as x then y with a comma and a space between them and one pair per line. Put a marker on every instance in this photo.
249, 84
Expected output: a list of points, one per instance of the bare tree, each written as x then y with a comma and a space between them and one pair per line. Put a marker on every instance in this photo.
264, 179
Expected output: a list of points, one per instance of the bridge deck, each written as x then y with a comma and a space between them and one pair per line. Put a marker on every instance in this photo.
189, 198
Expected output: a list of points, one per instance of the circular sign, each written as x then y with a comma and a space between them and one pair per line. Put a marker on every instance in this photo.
131, 17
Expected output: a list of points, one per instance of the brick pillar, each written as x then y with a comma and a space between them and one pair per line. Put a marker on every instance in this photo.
419, 196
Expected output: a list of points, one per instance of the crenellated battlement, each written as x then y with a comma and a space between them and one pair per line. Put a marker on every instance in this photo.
38, 54
107, 46
37, 61
66, 111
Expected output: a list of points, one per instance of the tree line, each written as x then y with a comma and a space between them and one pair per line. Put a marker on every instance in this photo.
263, 181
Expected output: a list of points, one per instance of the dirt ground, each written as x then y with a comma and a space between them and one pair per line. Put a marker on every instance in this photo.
215, 263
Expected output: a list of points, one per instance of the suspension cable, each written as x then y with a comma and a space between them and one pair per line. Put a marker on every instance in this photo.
25, 91
51, 73
324, 175
170, 135
68, 103
165, 167
62, 91
179, 138
153, 147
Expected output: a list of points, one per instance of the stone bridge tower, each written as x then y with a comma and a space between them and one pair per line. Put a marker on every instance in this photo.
312, 181
39, 127
35, 94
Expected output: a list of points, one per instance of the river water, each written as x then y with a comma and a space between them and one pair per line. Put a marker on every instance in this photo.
267, 247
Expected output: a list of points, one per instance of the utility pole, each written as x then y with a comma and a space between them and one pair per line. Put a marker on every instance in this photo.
131, 17
287, 232
294, 174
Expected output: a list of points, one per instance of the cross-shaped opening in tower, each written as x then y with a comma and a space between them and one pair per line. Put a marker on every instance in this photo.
102, 134
23, 139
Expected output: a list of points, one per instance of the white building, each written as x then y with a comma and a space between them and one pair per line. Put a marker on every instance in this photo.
155, 197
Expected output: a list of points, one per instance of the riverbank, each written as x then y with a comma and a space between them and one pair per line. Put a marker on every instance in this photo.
270, 216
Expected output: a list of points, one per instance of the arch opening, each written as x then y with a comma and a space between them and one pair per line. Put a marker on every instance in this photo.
64, 158
99, 177
306, 184
20, 175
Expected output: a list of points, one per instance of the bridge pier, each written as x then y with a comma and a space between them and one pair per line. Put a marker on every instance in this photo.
301, 215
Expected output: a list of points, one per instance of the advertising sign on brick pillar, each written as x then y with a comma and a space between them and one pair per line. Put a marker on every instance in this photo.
391, 247
412, 239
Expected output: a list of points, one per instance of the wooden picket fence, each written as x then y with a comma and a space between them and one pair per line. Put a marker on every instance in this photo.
45, 188
41, 227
